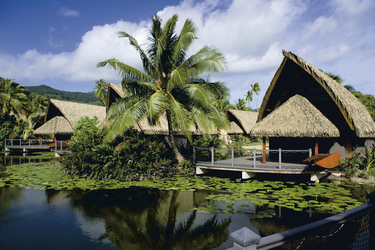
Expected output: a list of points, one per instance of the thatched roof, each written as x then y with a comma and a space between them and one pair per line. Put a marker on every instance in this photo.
241, 121
72, 112
342, 108
114, 92
57, 125
117, 88
297, 117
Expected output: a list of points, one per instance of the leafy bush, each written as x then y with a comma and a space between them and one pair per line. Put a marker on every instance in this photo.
7, 124
134, 158
208, 141
360, 160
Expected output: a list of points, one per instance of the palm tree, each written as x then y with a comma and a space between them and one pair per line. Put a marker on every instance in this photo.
249, 97
241, 105
170, 84
101, 90
255, 89
35, 108
12, 98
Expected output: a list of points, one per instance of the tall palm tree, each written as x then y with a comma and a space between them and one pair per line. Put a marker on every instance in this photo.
12, 98
249, 97
101, 90
241, 105
169, 85
255, 89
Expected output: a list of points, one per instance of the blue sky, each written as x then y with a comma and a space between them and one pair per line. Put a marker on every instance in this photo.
59, 43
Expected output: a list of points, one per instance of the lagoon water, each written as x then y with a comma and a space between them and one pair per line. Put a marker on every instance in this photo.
180, 213
133, 218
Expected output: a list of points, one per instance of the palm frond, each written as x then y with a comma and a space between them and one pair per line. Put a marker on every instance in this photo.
127, 72
125, 120
206, 60
187, 36
147, 66
157, 105
180, 117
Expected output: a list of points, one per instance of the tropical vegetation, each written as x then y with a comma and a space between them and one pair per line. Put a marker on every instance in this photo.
101, 91
361, 162
131, 157
170, 86
27, 109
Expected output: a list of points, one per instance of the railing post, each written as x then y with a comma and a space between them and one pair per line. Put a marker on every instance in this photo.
279, 158
310, 152
232, 156
194, 154
55, 145
61, 145
254, 157
29, 143
245, 239
11, 142
212, 155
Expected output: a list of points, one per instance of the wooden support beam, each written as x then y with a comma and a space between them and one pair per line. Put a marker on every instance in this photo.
316, 148
264, 149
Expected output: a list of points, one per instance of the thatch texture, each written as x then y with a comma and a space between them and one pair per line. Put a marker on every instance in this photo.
73, 111
297, 117
62, 116
117, 88
348, 109
57, 125
243, 120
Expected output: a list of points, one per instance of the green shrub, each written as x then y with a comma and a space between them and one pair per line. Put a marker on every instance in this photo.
208, 141
135, 156
7, 123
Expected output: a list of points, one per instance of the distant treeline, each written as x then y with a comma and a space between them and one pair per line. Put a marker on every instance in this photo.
52, 93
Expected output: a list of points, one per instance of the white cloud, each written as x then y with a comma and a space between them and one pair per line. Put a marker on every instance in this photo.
250, 34
68, 12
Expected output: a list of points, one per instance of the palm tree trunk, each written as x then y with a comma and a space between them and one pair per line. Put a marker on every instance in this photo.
175, 150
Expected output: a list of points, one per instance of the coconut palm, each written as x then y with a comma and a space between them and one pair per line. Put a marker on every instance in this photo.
12, 98
241, 105
170, 84
255, 89
101, 90
249, 97
35, 108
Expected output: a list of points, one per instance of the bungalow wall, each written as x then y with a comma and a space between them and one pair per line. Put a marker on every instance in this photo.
325, 146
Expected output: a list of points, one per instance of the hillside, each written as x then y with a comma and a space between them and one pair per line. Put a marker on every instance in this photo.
52, 93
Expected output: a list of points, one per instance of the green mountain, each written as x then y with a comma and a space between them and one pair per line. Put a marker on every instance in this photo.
52, 93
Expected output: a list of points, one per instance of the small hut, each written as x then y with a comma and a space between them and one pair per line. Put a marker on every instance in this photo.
304, 108
62, 116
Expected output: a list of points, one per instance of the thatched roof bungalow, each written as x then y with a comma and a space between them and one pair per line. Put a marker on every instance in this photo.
62, 116
305, 108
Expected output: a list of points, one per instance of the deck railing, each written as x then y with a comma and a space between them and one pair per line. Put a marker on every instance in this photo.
235, 153
61, 145
26, 142
353, 229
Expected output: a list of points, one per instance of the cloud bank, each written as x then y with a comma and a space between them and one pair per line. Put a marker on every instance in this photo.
250, 34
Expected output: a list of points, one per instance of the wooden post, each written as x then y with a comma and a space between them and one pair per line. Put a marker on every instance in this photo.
316, 148
349, 148
264, 150
40, 141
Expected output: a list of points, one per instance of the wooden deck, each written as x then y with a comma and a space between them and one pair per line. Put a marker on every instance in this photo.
249, 169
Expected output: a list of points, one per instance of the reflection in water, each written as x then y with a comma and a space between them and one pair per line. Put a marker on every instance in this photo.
7, 196
19, 159
140, 218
